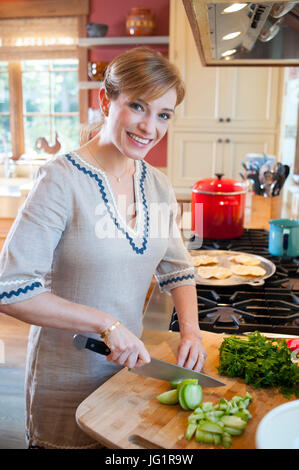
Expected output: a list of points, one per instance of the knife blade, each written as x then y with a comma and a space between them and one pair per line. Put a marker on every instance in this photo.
156, 369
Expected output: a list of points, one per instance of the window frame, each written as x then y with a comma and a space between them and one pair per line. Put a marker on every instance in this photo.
16, 106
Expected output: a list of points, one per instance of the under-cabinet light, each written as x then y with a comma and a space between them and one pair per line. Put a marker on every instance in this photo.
234, 7
231, 35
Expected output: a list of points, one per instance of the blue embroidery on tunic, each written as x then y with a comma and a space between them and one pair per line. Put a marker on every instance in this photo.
176, 279
20, 290
104, 196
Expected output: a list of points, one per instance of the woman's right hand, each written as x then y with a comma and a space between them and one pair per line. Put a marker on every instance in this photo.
126, 349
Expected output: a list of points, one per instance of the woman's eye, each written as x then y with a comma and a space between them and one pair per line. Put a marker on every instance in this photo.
164, 116
136, 106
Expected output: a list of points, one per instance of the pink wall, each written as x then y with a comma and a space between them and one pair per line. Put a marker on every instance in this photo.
113, 13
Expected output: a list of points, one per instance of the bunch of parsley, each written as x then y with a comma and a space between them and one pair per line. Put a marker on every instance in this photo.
261, 361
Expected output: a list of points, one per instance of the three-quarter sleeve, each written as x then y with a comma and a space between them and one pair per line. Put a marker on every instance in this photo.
175, 269
27, 254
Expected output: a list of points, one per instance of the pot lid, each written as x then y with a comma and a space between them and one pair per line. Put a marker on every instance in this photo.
219, 185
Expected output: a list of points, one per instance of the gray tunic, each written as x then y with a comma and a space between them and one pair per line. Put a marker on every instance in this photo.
70, 239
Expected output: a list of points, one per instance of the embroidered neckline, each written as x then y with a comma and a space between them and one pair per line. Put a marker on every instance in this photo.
142, 222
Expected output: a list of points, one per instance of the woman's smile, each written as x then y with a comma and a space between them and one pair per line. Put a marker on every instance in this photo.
138, 140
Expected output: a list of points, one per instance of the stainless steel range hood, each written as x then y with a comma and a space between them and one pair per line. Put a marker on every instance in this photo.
263, 33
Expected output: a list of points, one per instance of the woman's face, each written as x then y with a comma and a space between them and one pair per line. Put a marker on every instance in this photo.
134, 127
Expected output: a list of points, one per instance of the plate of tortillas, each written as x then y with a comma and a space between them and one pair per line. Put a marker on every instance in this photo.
230, 268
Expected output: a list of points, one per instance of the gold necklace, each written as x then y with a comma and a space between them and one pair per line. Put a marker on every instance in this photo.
114, 176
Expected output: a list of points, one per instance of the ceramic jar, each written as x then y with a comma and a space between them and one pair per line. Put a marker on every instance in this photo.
140, 22
96, 70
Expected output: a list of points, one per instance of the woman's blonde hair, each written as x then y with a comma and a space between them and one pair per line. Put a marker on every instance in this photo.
140, 72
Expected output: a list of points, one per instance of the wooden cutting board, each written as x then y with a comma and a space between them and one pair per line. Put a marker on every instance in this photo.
124, 412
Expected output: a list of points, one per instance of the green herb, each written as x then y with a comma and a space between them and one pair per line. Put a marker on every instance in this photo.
261, 361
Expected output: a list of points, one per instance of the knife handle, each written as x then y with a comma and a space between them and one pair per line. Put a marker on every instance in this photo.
97, 346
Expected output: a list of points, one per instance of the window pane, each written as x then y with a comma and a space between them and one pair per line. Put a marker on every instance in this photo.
65, 92
3, 66
4, 93
35, 127
5, 134
37, 65
67, 129
64, 64
36, 92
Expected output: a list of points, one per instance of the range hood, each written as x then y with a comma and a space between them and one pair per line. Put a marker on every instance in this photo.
247, 33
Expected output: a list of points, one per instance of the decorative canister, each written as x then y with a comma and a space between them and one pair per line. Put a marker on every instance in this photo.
140, 22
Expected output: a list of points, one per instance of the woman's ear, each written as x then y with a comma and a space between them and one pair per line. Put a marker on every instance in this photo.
104, 102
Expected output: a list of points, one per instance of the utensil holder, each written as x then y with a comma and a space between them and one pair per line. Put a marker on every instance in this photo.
263, 209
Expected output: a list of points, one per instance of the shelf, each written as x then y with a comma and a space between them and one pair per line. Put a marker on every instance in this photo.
89, 85
119, 41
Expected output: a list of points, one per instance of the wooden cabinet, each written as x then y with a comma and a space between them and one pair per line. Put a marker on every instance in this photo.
197, 155
227, 112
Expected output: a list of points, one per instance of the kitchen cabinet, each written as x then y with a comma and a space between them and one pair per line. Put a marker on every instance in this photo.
239, 105
197, 155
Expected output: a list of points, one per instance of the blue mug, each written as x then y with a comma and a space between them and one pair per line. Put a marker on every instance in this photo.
284, 238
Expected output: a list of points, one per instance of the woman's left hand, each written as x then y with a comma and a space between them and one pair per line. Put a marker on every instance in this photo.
191, 353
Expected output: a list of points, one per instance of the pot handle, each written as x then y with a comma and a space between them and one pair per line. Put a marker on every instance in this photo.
219, 175
257, 282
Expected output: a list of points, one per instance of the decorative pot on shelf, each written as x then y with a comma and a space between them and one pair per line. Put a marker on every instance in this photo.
140, 22
96, 70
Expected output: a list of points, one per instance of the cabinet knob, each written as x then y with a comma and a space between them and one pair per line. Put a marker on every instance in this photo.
227, 141
221, 119
228, 119
219, 141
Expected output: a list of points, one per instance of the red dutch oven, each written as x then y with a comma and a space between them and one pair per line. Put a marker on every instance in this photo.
218, 208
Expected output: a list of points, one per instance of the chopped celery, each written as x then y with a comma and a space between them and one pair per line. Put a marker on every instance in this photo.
234, 422
191, 428
233, 431
209, 426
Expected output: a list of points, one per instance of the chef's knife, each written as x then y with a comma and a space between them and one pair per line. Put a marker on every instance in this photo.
156, 369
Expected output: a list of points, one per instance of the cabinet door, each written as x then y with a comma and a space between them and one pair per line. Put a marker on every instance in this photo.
194, 156
249, 97
236, 147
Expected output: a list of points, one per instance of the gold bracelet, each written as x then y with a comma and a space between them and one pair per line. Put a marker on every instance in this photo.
106, 332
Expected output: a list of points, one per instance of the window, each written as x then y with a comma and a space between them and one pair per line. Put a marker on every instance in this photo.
50, 103
53, 107
5, 135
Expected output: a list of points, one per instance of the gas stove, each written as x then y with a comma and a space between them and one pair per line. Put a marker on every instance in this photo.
271, 308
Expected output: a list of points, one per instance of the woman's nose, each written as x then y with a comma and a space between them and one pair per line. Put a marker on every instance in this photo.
147, 126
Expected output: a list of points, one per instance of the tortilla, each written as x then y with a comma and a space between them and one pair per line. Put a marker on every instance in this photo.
214, 271
242, 270
246, 259
204, 260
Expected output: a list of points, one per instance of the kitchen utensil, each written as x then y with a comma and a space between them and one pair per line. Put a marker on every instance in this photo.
279, 429
223, 204
124, 412
96, 30
156, 369
284, 237
224, 261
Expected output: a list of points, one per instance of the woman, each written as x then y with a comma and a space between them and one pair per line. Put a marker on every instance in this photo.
84, 247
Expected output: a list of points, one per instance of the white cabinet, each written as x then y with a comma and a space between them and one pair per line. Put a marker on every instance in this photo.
239, 105
197, 155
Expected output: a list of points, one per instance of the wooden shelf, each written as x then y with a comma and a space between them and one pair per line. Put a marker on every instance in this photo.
119, 41
89, 85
